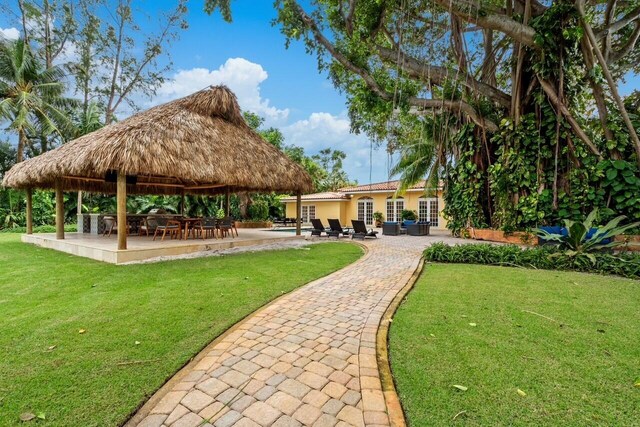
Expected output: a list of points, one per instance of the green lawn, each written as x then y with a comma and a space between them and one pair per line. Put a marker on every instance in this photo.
577, 365
158, 314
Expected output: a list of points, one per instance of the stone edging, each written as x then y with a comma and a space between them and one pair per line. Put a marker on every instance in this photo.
140, 413
392, 400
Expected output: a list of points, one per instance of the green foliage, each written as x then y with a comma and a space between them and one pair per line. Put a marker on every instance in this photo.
544, 257
70, 228
409, 215
579, 245
378, 216
464, 186
259, 210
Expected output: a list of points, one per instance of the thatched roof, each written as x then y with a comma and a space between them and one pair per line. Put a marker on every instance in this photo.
199, 144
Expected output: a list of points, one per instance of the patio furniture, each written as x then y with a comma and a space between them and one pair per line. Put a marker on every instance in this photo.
419, 229
390, 228
226, 226
318, 228
336, 229
172, 226
194, 227
208, 227
360, 230
109, 224
149, 224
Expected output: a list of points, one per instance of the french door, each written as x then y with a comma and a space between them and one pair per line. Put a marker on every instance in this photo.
365, 210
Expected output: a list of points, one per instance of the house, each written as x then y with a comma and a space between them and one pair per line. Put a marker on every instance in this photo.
361, 201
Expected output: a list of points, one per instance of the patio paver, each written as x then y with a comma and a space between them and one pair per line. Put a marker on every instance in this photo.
309, 357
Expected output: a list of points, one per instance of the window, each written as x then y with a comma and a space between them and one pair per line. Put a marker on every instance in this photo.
365, 210
394, 209
308, 213
428, 210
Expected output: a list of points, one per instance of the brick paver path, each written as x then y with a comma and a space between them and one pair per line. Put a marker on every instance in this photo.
307, 359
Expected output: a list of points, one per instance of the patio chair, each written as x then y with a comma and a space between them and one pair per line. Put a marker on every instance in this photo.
171, 225
336, 229
109, 224
318, 228
196, 229
391, 228
208, 227
226, 226
419, 228
149, 224
360, 230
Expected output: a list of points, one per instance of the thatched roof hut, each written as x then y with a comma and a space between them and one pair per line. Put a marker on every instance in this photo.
199, 144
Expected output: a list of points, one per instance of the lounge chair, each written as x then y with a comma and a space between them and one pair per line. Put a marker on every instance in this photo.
336, 229
318, 228
360, 230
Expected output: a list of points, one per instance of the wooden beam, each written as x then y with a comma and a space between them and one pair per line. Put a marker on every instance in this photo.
121, 196
59, 210
298, 214
29, 211
201, 187
227, 201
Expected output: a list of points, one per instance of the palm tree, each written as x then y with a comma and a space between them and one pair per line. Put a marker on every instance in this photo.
422, 152
31, 98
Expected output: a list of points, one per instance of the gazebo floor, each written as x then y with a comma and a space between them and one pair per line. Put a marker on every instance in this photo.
139, 248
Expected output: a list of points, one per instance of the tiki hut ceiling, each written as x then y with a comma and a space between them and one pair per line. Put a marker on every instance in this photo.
199, 144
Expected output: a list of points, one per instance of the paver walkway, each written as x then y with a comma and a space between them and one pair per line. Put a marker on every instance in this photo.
306, 359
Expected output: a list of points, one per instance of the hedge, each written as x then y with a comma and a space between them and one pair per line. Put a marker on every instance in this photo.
72, 228
624, 264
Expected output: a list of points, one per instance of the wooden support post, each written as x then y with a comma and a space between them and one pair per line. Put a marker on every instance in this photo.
121, 196
182, 203
59, 210
298, 214
227, 202
29, 211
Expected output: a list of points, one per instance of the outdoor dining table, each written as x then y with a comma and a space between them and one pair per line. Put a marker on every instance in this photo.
185, 223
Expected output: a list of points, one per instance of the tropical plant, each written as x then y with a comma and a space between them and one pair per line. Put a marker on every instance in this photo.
541, 257
582, 240
409, 215
31, 98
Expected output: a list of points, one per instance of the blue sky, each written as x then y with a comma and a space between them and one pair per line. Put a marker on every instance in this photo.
282, 85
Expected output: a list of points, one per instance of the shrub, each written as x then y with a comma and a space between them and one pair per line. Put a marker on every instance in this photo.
548, 258
259, 210
71, 228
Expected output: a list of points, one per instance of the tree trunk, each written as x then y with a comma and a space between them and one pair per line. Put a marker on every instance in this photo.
22, 143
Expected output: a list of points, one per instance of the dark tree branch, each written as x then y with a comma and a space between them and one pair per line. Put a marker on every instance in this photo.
623, 51
373, 85
439, 75
555, 100
492, 21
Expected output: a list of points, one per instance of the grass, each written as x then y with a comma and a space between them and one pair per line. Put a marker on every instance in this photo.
569, 341
157, 315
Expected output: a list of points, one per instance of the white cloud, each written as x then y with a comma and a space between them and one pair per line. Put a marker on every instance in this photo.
9, 33
243, 78
324, 130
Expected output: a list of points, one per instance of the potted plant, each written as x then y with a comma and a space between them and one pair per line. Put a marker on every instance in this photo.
409, 215
378, 217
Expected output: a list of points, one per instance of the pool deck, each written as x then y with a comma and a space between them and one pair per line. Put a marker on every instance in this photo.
102, 248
